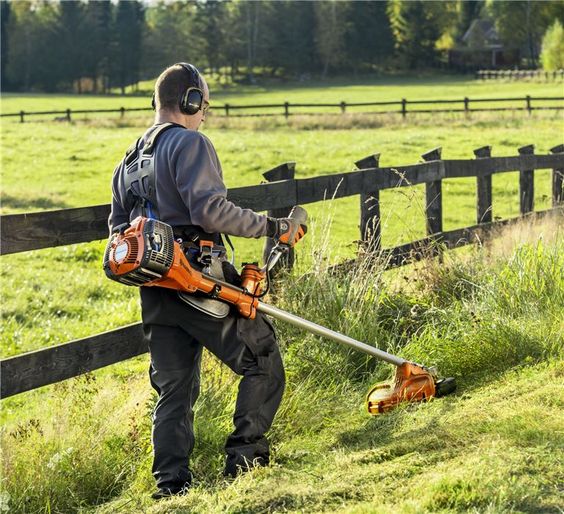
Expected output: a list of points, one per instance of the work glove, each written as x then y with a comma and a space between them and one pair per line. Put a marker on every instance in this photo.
286, 231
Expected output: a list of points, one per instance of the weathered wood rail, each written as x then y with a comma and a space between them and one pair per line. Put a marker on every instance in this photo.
33, 231
286, 109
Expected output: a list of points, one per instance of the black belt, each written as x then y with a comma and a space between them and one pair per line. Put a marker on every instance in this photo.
193, 234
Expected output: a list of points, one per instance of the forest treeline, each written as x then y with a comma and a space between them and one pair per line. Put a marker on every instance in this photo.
57, 46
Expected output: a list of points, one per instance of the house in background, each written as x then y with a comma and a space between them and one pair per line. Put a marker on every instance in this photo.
481, 48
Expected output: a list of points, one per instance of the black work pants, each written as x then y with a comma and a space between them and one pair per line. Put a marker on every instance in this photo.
176, 333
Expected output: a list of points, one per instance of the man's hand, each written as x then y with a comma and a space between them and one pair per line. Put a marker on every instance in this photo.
287, 231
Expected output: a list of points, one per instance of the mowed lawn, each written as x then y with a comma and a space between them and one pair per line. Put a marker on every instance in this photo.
50, 296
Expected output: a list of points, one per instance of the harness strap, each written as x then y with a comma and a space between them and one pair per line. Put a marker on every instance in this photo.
140, 173
154, 135
140, 185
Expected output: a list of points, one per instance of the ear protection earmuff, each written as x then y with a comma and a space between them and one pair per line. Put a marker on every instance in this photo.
192, 99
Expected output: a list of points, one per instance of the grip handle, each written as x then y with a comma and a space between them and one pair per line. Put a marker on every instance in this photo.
299, 214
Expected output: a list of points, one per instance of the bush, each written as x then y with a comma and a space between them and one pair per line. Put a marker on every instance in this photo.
552, 54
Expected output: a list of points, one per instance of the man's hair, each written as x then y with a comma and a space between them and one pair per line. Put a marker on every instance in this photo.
171, 85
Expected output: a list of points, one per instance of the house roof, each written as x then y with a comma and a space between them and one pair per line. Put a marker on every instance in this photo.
482, 29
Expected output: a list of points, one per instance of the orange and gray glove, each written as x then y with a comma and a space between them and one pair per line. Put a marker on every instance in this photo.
288, 231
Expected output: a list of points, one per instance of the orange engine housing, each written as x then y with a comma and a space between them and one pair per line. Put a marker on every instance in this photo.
411, 383
146, 254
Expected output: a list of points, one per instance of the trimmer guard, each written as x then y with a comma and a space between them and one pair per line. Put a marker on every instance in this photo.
412, 383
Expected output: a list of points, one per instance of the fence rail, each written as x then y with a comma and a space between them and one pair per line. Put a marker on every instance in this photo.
32, 231
227, 109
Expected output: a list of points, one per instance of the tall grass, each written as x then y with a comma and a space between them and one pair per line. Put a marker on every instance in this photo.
480, 313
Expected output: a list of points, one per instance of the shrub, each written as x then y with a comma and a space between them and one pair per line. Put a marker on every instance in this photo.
552, 54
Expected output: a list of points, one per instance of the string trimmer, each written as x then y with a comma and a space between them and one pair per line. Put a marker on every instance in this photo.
145, 253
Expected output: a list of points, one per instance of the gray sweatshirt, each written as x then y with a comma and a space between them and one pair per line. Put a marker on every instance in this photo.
189, 187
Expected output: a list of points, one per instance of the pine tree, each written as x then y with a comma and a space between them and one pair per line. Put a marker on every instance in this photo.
126, 51
4, 17
96, 56
369, 37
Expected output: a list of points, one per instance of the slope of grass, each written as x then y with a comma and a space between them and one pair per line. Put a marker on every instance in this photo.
490, 317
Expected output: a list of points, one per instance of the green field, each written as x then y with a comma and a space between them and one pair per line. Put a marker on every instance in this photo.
84, 442
335, 91
50, 166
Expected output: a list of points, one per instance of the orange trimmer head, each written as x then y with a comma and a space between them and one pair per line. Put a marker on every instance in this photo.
412, 383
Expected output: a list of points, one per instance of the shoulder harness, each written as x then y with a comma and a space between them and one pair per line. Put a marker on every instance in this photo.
139, 174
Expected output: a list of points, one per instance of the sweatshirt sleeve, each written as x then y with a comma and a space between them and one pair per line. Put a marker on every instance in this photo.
200, 184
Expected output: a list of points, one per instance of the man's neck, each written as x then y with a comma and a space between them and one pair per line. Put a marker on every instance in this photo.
170, 117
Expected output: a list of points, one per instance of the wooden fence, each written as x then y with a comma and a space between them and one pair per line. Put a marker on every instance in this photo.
287, 109
26, 232
537, 75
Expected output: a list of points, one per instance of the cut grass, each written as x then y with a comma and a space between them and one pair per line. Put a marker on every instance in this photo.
495, 446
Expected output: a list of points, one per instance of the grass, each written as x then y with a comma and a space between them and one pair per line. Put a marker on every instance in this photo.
50, 166
333, 91
490, 317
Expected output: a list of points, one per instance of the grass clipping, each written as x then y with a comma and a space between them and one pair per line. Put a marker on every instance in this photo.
491, 316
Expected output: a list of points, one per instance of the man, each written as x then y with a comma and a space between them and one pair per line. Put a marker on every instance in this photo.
184, 188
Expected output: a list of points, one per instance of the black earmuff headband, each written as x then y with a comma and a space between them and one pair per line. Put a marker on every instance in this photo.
192, 99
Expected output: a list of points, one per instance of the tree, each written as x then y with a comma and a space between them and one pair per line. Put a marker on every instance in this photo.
96, 49
212, 32
183, 41
416, 31
69, 40
369, 39
4, 17
522, 23
330, 31
126, 51
33, 60
289, 39
469, 10
552, 54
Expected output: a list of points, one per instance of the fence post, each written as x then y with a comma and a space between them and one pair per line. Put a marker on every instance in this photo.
286, 109
526, 183
528, 99
68, 115
122, 112
285, 171
466, 105
343, 107
557, 180
433, 197
484, 188
21, 116
370, 227
403, 107
226, 109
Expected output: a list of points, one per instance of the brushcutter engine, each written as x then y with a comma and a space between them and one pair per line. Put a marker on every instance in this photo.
144, 253
139, 253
